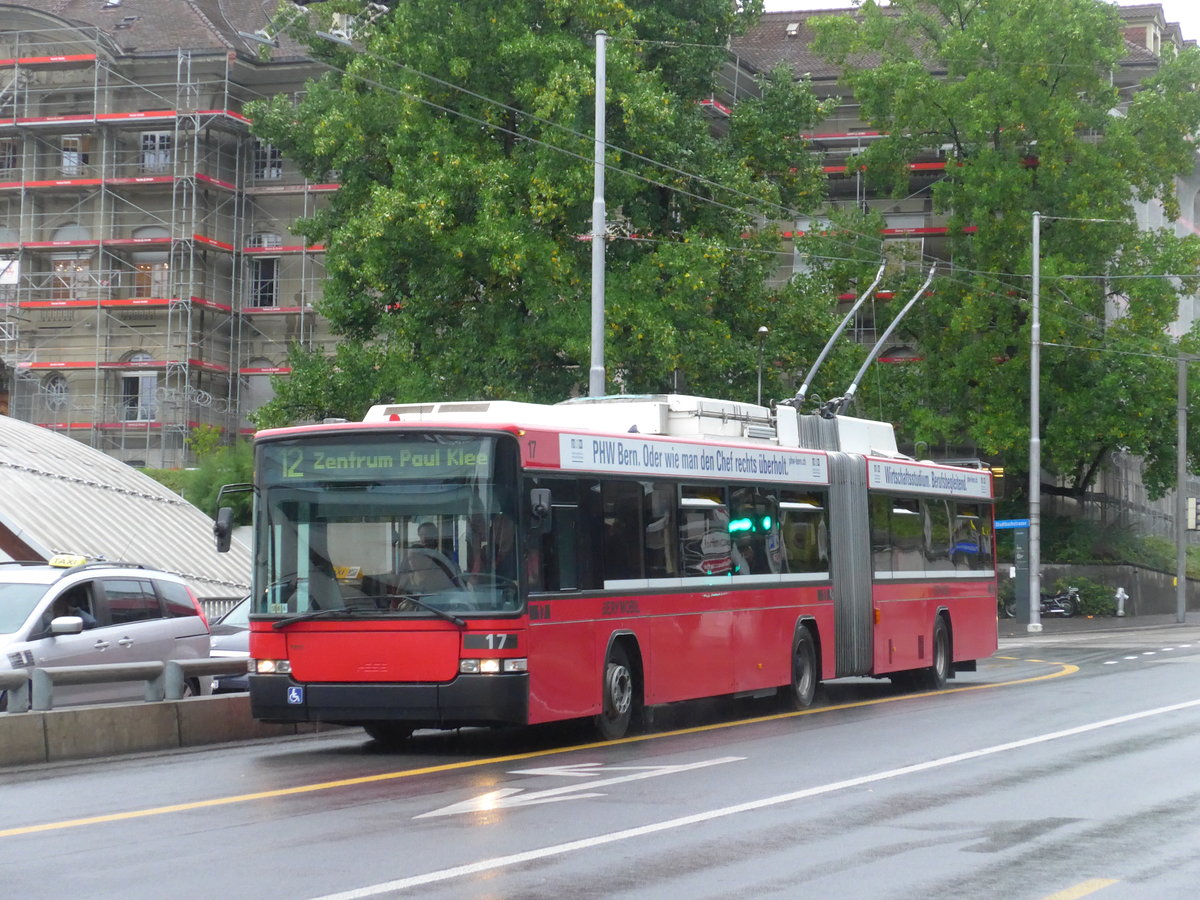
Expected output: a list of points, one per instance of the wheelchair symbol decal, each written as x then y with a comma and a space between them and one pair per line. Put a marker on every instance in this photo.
295, 695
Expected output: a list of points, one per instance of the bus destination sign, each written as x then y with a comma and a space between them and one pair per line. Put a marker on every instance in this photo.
912, 478
358, 460
594, 453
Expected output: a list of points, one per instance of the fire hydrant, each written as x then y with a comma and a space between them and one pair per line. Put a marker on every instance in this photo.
1121, 597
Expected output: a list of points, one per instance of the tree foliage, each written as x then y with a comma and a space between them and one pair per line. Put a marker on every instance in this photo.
461, 136
1021, 98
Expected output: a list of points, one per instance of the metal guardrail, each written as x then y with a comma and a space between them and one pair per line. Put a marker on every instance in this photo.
33, 689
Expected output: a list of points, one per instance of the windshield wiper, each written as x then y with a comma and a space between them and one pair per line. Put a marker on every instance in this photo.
317, 614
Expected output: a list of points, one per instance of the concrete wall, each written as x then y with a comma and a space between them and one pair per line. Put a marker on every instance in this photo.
83, 732
1150, 592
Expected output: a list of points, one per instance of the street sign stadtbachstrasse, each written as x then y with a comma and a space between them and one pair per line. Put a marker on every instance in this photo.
1012, 523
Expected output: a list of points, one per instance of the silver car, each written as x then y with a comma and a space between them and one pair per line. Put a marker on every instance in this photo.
72, 612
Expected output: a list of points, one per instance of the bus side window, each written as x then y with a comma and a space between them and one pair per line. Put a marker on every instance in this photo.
804, 531
622, 529
881, 534
939, 543
570, 550
704, 531
558, 569
662, 544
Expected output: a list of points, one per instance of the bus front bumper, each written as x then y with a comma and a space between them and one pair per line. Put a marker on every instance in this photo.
467, 700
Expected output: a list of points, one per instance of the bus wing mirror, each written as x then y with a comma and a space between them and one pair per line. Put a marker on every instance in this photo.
223, 525
223, 528
539, 506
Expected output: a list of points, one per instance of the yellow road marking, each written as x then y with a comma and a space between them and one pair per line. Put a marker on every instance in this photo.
1065, 669
1082, 889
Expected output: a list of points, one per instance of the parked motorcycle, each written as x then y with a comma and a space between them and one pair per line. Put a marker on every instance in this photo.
1065, 604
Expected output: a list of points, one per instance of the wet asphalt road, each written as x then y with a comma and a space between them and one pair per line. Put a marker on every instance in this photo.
1066, 764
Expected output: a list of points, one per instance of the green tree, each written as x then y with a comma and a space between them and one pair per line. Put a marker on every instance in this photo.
218, 464
460, 133
1020, 97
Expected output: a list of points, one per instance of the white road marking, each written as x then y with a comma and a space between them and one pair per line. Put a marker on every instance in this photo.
509, 797
499, 862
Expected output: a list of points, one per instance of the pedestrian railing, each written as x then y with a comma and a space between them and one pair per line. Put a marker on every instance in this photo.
33, 689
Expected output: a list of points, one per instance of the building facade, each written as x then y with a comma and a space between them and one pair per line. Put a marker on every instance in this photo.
149, 280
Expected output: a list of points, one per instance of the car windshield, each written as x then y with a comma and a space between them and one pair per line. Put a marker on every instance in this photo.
429, 533
238, 616
17, 601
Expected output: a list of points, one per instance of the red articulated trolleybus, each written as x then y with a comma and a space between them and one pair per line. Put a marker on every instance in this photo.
483, 563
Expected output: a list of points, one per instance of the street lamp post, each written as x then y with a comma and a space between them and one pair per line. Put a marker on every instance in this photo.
1035, 435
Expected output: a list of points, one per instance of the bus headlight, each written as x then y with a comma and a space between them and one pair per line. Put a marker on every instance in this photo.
491, 666
270, 667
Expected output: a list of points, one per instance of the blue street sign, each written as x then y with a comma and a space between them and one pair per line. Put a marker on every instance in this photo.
1011, 523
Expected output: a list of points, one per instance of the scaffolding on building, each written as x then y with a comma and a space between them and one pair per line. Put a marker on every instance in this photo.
149, 282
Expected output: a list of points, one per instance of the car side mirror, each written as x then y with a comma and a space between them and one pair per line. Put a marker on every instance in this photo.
66, 625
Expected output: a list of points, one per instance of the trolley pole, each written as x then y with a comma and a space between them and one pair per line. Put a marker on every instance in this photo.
599, 226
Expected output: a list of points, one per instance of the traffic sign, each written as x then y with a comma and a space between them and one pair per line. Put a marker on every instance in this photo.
1012, 523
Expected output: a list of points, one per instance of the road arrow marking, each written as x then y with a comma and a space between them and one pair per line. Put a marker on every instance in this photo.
508, 798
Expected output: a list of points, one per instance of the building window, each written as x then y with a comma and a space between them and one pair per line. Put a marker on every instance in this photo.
268, 162
139, 393
156, 151
9, 156
72, 278
75, 149
264, 282
152, 280
56, 392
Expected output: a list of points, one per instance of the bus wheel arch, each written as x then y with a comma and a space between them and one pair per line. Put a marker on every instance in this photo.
621, 687
805, 667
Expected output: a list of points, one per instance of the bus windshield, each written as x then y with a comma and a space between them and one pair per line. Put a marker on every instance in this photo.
391, 526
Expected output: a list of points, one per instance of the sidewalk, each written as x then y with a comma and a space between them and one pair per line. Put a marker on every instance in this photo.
1055, 625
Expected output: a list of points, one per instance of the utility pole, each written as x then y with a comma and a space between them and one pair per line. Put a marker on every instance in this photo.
1035, 436
1181, 487
599, 226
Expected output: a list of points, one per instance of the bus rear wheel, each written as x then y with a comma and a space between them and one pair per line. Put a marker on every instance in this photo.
803, 688
390, 734
617, 709
934, 678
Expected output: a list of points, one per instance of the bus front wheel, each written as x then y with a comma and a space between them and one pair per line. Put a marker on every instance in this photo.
617, 710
